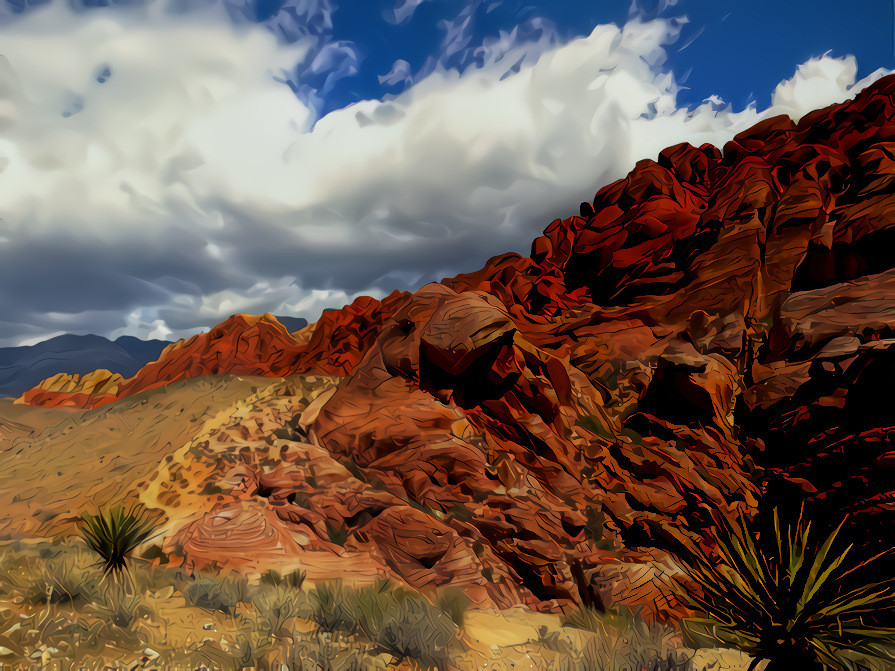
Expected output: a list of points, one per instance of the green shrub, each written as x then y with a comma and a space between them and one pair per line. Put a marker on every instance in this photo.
221, 593
337, 534
454, 602
252, 643
115, 533
116, 606
789, 599
403, 624
292, 580
276, 606
330, 609
64, 577
370, 605
625, 641
321, 654
417, 630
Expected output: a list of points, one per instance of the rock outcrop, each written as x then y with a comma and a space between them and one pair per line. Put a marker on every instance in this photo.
713, 328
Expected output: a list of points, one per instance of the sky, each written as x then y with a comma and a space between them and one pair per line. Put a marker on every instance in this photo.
167, 163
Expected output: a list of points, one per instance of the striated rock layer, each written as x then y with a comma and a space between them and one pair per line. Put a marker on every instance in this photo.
714, 327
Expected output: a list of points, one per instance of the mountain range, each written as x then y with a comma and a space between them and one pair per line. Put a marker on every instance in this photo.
24, 367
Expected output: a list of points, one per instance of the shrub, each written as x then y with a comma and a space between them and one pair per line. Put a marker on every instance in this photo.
293, 580
64, 577
118, 607
222, 593
787, 598
252, 644
322, 654
625, 641
417, 630
114, 534
330, 609
454, 603
402, 623
337, 534
275, 607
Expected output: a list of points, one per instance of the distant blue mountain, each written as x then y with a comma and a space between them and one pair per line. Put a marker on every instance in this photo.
293, 324
21, 368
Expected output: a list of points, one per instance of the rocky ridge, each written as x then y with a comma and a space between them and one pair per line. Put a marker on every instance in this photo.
713, 328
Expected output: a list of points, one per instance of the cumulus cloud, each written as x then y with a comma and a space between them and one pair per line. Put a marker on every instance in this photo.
158, 175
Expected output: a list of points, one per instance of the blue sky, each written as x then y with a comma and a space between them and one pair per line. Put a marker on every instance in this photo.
734, 49
167, 163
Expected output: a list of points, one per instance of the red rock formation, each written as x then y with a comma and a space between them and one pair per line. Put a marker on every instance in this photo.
714, 324
75, 391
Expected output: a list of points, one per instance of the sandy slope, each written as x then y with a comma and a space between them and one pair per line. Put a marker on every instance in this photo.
58, 462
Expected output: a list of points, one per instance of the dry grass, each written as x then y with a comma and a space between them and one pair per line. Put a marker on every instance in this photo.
229, 622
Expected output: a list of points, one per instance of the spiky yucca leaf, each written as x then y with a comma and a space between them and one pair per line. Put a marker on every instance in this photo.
114, 533
787, 600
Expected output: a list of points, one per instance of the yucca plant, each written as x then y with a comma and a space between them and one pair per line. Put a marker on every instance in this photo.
787, 598
114, 533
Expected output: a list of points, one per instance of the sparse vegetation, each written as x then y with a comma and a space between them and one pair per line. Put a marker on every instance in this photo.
65, 575
792, 599
401, 623
337, 534
412, 628
454, 602
626, 641
230, 622
220, 593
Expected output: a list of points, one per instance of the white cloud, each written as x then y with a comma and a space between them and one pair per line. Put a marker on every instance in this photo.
190, 184
818, 83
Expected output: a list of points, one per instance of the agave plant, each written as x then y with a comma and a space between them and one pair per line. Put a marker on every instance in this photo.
114, 534
788, 599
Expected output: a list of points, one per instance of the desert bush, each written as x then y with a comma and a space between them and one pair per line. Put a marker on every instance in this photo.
624, 641
370, 605
401, 623
786, 597
221, 593
337, 534
115, 533
293, 580
417, 630
252, 643
454, 603
149, 577
118, 607
276, 606
330, 609
66, 576
322, 654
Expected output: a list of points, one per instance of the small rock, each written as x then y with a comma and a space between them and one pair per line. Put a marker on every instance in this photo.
150, 653
5, 652
207, 626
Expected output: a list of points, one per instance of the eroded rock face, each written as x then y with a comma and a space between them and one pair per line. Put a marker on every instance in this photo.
75, 391
512, 448
714, 327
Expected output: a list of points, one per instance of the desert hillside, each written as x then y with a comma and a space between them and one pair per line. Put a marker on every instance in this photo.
712, 331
